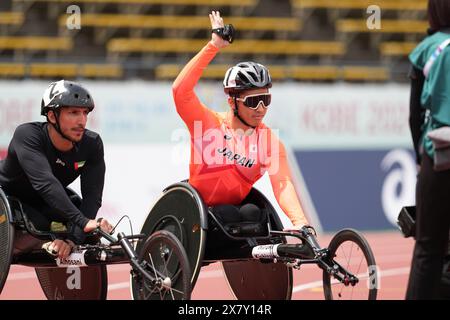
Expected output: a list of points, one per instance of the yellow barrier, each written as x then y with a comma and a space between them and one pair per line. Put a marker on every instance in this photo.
361, 4
183, 22
36, 43
321, 73
387, 26
281, 47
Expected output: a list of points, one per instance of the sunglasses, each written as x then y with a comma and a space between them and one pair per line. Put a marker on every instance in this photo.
252, 101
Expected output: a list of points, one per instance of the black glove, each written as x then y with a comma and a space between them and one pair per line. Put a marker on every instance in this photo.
226, 33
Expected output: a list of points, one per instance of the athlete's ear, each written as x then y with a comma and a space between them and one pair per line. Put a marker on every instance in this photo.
231, 102
51, 117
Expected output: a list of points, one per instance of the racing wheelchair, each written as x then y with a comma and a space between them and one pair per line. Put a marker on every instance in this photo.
256, 257
159, 268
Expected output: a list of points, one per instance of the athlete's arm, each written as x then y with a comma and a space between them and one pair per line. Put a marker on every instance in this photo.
30, 154
187, 103
283, 188
92, 181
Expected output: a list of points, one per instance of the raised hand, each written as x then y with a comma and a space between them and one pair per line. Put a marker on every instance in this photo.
217, 22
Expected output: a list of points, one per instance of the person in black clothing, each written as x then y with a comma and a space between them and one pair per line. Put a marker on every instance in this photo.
45, 157
429, 109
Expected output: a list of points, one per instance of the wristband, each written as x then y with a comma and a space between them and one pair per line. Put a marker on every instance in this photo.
226, 33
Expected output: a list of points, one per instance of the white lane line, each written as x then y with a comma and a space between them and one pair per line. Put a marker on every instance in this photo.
118, 286
203, 275
306, 286
211, 274
383, 274
21, 275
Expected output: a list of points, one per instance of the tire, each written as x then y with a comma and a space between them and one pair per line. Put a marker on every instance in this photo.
167, 262
6, 239
341, 247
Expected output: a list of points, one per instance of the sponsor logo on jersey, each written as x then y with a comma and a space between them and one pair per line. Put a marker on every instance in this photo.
59, 161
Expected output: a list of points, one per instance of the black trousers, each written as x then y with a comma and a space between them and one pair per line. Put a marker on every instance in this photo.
41, 215
432, 232
227, 213
230, 214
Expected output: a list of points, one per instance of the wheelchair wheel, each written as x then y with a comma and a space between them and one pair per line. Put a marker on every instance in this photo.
181, 211
352, 252
6, 239
168, 266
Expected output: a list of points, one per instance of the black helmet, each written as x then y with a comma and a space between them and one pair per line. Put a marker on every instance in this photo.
65, 94
246, 75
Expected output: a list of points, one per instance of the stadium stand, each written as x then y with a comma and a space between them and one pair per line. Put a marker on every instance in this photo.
387, 26
60, 70
302, 40
35, 43
316, 73
263, 47
183, 22
393, 48
155, 2
11, 18
400, 5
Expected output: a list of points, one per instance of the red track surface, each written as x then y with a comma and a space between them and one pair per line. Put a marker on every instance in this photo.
392, 253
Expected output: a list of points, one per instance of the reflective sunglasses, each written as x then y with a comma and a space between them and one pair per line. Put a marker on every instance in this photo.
252, 101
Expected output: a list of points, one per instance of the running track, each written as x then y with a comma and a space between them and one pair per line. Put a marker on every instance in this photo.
392, 253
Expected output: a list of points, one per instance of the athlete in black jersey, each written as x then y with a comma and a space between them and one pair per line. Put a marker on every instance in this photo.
45, 157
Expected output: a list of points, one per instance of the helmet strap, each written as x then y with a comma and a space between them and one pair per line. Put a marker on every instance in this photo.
58, 127
236, 114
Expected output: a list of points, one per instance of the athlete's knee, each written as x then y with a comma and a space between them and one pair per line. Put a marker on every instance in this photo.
251, 212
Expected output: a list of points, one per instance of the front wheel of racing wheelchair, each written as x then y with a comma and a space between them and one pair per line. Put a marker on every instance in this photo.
168, 266
349, 249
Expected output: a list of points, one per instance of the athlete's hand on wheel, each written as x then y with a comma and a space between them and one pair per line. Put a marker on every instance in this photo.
217, 22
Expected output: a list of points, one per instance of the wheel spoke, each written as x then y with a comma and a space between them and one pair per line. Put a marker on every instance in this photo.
171, 293
153, 266
177, 291
166, 263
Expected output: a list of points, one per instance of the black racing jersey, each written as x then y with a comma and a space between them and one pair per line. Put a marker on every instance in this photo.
35, 171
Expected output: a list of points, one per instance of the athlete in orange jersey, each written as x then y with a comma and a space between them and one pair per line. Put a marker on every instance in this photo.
231, 151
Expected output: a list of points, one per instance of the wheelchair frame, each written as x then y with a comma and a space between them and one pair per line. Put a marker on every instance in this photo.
93, 259
180, 201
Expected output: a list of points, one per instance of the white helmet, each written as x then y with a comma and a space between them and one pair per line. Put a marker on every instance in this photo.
246, 75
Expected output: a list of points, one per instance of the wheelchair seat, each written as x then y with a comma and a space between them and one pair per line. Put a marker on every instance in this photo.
22, 222
246, 229
239, 229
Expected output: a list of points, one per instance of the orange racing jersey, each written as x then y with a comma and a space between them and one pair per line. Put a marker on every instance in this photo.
225, 163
